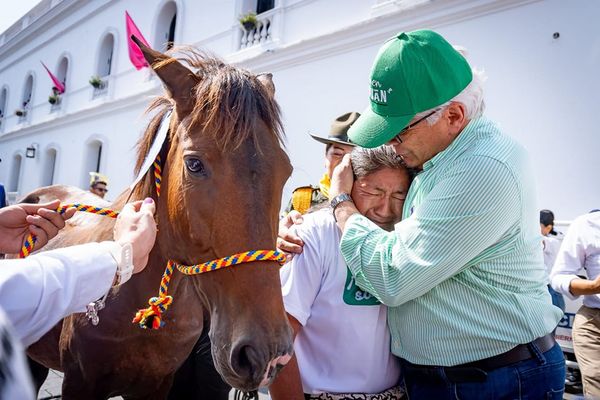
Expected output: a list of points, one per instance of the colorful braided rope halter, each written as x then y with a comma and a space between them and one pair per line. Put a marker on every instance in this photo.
151, 317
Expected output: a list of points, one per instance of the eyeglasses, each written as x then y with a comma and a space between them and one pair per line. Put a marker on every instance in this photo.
410, 126
101, 190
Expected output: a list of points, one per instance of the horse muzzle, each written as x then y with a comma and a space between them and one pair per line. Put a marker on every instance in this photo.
250, 368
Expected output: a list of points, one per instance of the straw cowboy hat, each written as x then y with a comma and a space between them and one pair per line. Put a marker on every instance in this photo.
339, 130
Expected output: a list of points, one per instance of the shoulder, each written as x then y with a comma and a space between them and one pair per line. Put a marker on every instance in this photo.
307, 188
318, 223
590, 221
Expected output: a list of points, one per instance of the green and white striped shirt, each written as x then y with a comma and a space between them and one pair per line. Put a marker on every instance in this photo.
463, 273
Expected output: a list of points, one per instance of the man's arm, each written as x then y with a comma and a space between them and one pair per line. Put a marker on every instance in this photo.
38, 291
301, 280
288, 385
569, 260
457, 225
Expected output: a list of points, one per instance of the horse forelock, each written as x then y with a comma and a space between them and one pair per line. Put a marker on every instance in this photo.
228, 102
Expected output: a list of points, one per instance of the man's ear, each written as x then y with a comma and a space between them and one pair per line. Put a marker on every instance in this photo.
178, 80
456, 116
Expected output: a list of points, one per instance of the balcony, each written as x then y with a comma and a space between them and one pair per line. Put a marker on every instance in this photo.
261, 33
100, 89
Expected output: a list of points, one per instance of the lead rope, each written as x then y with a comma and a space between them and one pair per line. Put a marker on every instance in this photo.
31, 239
151, 317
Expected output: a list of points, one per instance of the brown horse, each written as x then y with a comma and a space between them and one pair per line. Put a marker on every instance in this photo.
223, 173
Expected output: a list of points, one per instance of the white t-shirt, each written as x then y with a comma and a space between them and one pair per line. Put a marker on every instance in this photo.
551, 247
344, 344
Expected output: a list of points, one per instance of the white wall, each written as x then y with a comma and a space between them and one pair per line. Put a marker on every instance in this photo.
542, 90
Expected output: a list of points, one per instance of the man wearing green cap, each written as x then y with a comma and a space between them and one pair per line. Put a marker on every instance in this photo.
463, 272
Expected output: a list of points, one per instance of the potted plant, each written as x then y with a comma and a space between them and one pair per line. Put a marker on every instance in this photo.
96, 81
53, 98
20, 112
248, 21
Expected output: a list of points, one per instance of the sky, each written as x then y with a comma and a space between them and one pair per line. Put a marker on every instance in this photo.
13, 10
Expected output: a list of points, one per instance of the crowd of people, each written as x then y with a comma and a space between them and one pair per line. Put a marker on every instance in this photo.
417, 270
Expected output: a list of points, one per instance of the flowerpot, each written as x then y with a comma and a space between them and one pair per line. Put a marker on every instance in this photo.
52, 100
248, 26
19, 113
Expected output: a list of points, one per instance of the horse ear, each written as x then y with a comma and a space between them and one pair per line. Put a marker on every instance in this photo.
267, 82
179, 81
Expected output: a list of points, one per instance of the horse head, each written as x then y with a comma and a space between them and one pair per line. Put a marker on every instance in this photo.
223, 171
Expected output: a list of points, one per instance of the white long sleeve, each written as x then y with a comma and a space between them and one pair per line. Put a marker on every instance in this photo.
579, 249
40, 290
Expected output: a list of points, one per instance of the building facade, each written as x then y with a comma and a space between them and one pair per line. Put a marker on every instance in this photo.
541, 57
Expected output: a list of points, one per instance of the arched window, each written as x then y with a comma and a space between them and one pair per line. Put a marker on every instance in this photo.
49, 167
15, 175
264, 5
61, 72
27, 93
92, 161
105, 56
165, 26
3, 103
257, 6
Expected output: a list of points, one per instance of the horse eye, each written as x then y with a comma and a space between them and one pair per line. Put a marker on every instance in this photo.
195, 166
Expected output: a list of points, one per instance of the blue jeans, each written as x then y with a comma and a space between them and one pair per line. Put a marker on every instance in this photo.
540, 377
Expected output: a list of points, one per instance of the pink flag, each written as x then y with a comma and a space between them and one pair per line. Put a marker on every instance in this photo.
135, 54
60, 86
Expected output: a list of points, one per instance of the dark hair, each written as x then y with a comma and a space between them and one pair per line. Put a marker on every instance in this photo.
93, 185
547, 219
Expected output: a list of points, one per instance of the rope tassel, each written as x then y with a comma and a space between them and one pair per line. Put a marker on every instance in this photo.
151, 317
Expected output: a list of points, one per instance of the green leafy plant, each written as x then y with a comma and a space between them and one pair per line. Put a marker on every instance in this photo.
96, 81
54, 98
248, 21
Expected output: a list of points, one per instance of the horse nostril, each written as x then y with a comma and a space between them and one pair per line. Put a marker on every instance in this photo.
244, 359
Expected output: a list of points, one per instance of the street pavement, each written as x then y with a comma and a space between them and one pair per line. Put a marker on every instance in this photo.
52, 388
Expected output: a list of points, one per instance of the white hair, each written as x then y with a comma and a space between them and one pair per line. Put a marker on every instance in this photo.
471, 96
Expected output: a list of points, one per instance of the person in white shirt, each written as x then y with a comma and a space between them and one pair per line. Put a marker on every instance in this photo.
342, 342
581, 249
551, 240
40, 290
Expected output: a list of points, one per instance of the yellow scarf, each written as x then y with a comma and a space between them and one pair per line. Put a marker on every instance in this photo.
324, 185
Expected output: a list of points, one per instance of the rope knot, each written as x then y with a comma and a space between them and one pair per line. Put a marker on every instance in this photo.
151, 317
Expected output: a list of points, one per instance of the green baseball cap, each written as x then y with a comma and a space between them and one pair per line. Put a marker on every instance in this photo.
413, 72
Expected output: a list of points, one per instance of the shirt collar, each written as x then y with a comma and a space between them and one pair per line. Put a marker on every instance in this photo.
458, 145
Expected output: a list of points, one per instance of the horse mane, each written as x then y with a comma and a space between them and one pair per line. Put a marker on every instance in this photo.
228, 101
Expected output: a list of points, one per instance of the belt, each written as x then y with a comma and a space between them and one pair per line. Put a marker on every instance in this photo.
476, 371
519, 353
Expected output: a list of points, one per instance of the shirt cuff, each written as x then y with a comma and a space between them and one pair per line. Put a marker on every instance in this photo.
562, 284
296, 312
357, 229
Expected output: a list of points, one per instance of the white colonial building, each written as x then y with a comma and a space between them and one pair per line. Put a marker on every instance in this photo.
542, 58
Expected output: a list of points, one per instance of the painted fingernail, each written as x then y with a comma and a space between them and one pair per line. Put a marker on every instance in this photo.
148, 200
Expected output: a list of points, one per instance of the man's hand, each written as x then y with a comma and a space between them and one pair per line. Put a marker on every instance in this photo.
342, 182
342, 178
137, 226
19, 220
287, 240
